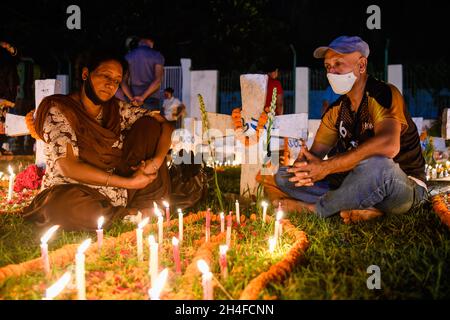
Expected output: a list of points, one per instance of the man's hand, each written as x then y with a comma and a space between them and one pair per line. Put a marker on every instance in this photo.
311, 170
137, 101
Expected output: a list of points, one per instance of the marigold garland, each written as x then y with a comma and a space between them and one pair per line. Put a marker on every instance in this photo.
188, 278
281, 270
276, 273
29, 120
441, 209
65, 255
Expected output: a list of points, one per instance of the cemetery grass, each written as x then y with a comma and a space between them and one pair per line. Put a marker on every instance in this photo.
412, 251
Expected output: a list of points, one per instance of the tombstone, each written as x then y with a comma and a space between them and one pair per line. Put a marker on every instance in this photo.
16, 125
293, 126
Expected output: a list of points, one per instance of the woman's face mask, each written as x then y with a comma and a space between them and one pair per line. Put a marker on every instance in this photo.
341, 83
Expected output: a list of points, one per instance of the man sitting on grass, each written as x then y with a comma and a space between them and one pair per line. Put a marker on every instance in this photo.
375, 164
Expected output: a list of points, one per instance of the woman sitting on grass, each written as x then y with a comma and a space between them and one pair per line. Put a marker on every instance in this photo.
104, 157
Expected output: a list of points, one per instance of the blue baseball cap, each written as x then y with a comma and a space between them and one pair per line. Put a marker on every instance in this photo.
343, 45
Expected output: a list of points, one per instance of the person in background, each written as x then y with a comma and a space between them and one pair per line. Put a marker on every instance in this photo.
142, 83
9, 85
273, 82
172, 107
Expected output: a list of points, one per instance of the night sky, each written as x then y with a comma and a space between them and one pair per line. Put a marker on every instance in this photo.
229, 35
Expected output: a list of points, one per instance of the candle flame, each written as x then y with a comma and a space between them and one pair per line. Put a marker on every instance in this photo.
10, 170
155, 205
166, 204
155, 291
264, 204
48, 234
223, 249
202, 266
221, 215
58, 286
179, 211
143, 223
151, 239
175, 241
83, 247
100, 222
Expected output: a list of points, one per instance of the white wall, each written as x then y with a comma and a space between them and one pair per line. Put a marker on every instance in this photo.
395, 75
186, 82
203, 82
301, 89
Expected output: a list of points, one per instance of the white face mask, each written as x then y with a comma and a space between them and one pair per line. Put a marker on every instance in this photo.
341, 83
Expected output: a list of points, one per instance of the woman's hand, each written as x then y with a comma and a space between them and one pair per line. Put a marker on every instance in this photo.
140, 179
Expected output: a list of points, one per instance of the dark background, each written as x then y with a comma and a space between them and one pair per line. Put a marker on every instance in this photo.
225, 34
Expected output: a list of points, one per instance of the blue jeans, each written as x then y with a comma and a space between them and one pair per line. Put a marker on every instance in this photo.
376, 182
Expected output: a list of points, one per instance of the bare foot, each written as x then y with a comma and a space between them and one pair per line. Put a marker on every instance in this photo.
288, 205
349, 216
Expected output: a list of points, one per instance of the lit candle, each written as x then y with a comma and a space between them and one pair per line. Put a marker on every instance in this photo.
206, 280
57, 287
100, 222
153, 261
166, 204
160, 225
139, 232
278, 224
264, 205
80, 271
223, 260
11, 182
238, 214
44, 248
272, 244
208, 225
180, 225
229, 230
176, 255
155, 291
222, 222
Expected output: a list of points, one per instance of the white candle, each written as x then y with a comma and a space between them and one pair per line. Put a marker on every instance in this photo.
176, 255
153, 260
272, 244
223, 260
160, 226
11, 182
166, 204
139, 244
57, 287
208, 225
100, 222
80, 270
155, 291
278, 224
207, 276
229, 230
238, 214
222, 222
180, 225
264, 205
44, 248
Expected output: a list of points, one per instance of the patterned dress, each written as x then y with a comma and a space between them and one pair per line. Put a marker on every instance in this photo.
58, 133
